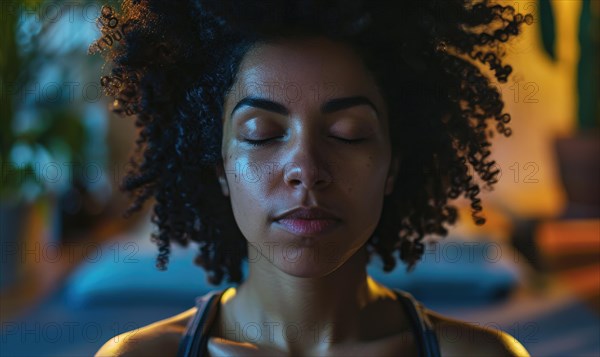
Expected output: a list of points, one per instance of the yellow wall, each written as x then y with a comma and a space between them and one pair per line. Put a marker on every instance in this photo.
544, 108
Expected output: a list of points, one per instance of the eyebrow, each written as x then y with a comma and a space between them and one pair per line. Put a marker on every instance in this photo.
330, 106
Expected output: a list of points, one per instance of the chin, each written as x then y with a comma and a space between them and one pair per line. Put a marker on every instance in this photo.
306, 265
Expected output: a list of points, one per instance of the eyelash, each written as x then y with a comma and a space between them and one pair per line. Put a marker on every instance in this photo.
265, 141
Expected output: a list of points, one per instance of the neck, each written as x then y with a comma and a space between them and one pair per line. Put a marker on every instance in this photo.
301, 314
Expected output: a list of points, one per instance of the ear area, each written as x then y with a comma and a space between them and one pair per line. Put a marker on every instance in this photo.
392, 174
220, 171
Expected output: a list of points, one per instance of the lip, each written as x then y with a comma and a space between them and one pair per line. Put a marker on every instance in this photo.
307, 226
307, 213
307, 221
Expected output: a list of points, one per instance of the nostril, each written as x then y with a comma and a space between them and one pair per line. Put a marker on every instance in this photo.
311, 176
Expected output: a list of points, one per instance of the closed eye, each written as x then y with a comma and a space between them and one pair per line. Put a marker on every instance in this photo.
266, 141
259, 142
348, 141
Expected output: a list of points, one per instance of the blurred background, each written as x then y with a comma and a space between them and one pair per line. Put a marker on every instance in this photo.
74, 272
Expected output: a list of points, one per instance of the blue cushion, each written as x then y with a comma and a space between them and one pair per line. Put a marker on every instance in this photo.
454, 270
130, 276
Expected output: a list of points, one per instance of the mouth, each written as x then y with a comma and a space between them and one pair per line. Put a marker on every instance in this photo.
313, 212
307, 221
305, 227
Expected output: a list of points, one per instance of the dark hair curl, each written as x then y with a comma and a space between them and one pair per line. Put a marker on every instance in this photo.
172, 62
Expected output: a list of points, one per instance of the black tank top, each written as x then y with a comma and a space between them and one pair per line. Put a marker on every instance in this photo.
194, 342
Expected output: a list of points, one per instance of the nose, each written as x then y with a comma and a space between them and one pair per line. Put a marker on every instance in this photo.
307, 168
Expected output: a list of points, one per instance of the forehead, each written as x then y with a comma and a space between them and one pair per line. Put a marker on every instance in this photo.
310, 66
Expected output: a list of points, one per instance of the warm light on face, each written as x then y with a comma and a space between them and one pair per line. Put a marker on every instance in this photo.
305, 126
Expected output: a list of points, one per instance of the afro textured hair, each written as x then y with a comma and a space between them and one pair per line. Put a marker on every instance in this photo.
173, 62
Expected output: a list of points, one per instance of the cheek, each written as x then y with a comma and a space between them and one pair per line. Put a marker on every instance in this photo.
249, 192
364, 185
364, 178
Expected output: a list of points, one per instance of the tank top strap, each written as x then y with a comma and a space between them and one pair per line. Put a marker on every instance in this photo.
196, 336
422, 325
194, 342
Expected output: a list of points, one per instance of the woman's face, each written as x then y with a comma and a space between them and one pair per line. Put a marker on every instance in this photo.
308, 98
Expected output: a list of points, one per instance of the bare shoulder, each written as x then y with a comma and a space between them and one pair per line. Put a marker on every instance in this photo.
458, 338
160, 338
